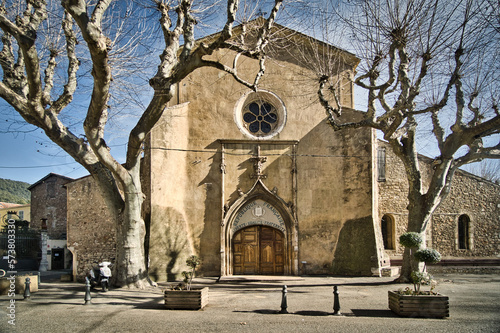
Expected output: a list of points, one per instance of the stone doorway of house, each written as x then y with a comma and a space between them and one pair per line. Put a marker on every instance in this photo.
258, 250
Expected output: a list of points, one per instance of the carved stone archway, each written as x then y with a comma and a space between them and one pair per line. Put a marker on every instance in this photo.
260, 207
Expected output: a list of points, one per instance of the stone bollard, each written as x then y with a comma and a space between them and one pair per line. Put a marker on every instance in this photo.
283, 300
88, 298
27, 293
336, 302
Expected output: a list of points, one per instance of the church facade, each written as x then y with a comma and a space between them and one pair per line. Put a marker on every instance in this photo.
256, 182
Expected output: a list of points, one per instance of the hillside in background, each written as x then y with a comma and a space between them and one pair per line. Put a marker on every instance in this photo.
14, 191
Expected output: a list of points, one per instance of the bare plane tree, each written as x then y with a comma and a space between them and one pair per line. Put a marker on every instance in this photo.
423, 65
30, 62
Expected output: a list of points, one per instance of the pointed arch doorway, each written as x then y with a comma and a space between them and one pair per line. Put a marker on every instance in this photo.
258, 250
259, 235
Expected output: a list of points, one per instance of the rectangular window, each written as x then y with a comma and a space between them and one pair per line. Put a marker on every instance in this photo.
381, 164
21, 215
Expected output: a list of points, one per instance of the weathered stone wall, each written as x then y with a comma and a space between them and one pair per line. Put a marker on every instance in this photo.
91, 231
478, 198
48, 200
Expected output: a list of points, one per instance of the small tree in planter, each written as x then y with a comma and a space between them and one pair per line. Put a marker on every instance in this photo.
427, 256
177, 298
416, 303
413, 240
192, 262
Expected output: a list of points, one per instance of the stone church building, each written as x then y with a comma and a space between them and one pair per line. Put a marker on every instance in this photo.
256, 182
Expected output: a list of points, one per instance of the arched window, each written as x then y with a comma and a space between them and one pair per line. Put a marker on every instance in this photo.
463, 232
387, 226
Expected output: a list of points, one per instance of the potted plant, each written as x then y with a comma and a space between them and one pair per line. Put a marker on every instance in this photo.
416, 302
182, 296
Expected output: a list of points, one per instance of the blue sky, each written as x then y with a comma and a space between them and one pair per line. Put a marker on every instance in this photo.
27, 155
25, 159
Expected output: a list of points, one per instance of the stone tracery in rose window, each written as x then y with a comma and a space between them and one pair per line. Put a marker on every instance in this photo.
260, 117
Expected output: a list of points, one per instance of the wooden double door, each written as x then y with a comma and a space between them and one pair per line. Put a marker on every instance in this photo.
258, 250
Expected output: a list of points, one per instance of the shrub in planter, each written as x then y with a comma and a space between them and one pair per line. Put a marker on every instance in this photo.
192, 262
429, 256
182, 296
411, 239
418, 303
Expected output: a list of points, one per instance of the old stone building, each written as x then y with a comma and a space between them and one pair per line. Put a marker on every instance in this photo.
49, 207
256, 182
465, 226
91, 231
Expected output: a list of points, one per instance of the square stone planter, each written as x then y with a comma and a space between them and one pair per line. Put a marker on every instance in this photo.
19, 282
186, 299
424, 306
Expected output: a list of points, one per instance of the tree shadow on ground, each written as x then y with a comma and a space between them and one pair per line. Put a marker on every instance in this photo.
375, 313
300, 313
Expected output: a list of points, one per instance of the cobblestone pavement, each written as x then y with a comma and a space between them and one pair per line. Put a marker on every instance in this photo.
251, 304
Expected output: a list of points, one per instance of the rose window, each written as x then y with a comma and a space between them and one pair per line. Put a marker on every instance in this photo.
260, 115
260, 118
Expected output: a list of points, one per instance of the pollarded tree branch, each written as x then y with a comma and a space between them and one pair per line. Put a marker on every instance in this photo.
260, 73
187, 28
99, 11
49, 78
162, 82
35, 14
478, 117
227, 31
9, 27
97, 114
19, 102
13, 70
330, 110
263, 37
168, 58
230, 70
101, 71
373, 72
459, 93
437, 129
336, 112
24, 31
173, 68
478, 153
73, 65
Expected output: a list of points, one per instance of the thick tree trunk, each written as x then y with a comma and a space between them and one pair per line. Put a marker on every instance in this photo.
417, 209
417, 215
130, 266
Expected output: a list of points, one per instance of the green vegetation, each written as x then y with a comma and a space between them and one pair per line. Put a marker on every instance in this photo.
192, 262
429, 256
411, 239
12, 191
